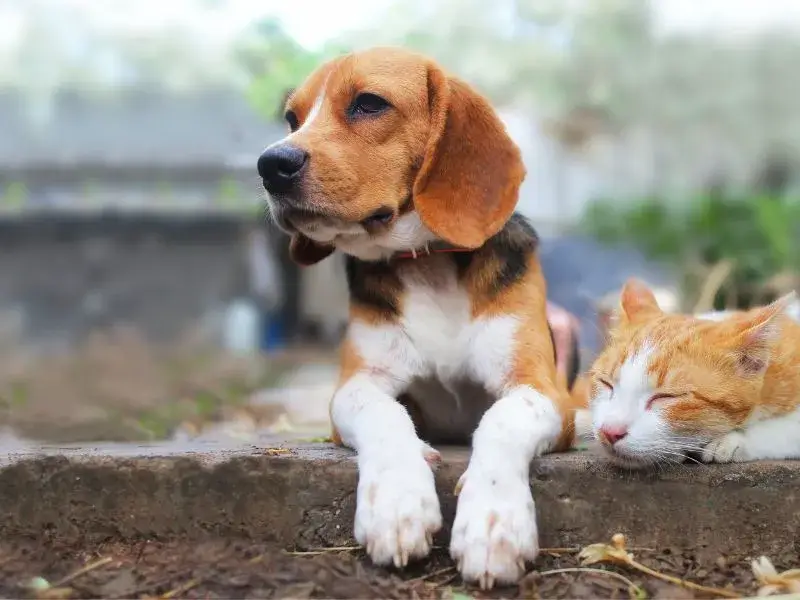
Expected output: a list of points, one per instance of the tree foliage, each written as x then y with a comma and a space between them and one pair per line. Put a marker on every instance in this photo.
712, 100
63, 47
274, 62
759, 233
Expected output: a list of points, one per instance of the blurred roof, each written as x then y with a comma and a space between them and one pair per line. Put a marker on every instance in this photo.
135, 128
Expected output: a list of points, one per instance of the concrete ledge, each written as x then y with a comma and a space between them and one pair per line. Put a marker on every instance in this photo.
305, 497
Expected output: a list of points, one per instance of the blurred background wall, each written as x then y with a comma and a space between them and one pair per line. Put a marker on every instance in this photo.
661, 137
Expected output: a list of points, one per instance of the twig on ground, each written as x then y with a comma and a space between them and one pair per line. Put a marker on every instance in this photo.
56, 593
446, 581
632, 587
576, 549
83, 570
616, 553
432, 574
778, 597
315, 551
181, 588
558, 551
684, 583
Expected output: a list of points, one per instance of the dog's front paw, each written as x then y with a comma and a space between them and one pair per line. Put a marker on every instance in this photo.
397, 509
731, 447
494, 532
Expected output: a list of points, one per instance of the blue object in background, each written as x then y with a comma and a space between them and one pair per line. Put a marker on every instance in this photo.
580, 270
272, 332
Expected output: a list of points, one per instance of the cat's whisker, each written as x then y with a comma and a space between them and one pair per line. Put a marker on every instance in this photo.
694, 460
665, 463
687, 447
663, 454
681, 457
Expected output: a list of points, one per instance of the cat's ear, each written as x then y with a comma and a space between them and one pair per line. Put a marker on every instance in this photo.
755, 333
637, 303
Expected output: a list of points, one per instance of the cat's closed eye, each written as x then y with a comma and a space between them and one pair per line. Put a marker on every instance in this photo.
606, 383
660, 397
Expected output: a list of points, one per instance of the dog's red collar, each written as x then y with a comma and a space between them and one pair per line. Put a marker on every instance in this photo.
433, 248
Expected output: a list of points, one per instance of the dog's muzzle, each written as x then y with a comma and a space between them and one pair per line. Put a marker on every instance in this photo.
281, 167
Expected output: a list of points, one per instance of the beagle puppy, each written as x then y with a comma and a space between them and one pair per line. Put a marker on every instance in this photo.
411, 174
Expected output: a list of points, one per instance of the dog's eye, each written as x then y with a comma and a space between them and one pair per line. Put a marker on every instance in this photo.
291, 119
380, 217
368, 104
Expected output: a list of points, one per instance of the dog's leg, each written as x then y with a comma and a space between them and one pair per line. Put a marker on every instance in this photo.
397, 509
494, 532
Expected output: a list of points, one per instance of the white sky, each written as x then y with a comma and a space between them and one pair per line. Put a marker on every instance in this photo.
312, 22
733, 17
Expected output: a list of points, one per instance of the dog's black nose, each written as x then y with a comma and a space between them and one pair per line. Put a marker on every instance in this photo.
280, 166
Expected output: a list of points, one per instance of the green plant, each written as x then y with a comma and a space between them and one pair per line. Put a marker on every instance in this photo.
759, 234
275, 62
164, 192
15, 196
229, 194
90, 192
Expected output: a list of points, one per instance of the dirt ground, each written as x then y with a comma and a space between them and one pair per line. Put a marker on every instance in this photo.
239, 569
118, 387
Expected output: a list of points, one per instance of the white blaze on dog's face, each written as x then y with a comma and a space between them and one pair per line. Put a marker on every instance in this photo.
377, 160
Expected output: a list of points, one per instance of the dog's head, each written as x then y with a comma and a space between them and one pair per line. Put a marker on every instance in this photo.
387, 153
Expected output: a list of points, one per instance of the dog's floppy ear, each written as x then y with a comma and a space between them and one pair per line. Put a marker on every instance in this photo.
306, 252
468, 184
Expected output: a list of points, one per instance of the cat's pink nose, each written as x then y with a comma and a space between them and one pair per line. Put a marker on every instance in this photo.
613, 433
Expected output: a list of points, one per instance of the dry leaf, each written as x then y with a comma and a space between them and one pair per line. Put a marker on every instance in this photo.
772, 582
277, 451
614, 553
55, 593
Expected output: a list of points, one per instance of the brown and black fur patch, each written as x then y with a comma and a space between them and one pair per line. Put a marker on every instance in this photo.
502, 261
374, 286
498, 264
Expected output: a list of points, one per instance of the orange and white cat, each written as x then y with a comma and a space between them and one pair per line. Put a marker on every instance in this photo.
671, 385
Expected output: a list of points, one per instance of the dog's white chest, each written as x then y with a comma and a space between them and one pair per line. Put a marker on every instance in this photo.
438, 338
435, 320
452, 344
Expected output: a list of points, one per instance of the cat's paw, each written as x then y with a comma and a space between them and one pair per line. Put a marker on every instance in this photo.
731, 447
